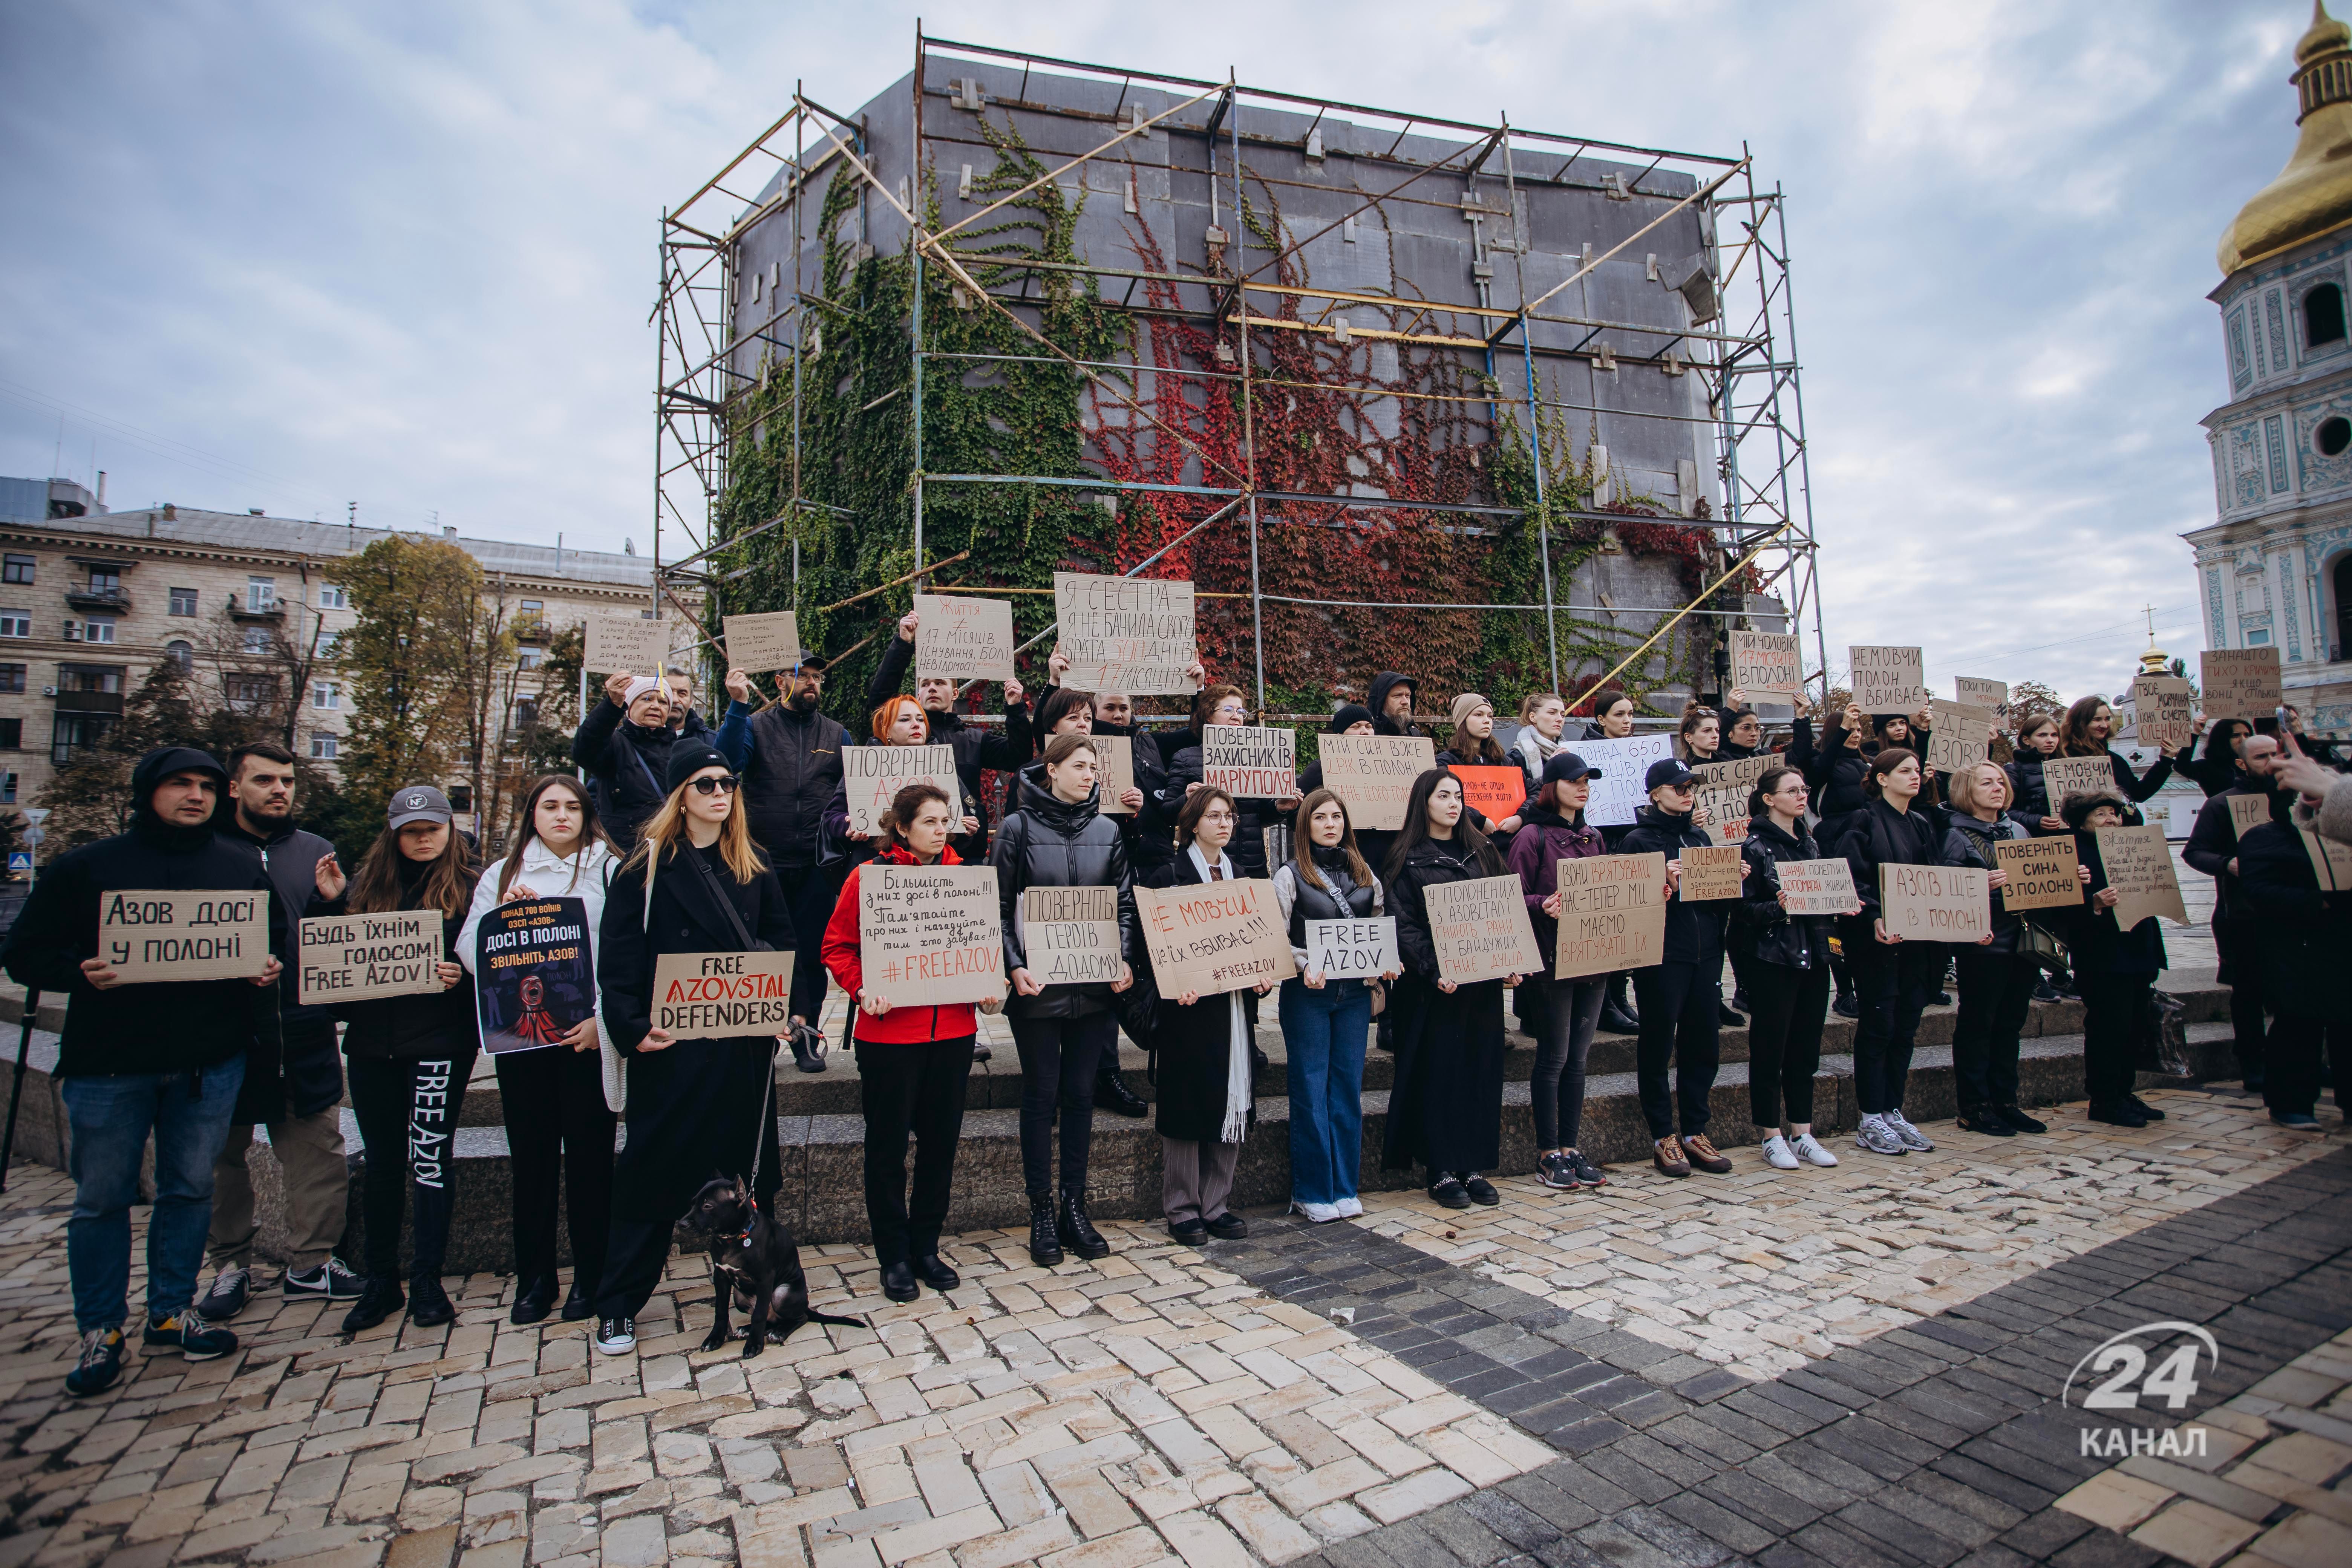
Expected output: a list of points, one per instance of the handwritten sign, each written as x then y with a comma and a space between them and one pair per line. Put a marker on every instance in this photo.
2248, 811
1224, 936
1612, 914
963, 637
871, 776
1819, 888
2138, 863
1481, 930
2044, 873
1130, 635
1352, 950
1888, 679
1249, 761
146, 937
1934, 903
2064, 776
1976, 692
2240, 682
759, 643
534, 973
1766, 664
1618, 791
722, 996
356, 958
1372, 775
929, 936
2331, 861
627, 642
1958, 735
1071, 934
1723, 792
1712, 872
1495, 792
2163, 712
1116, 755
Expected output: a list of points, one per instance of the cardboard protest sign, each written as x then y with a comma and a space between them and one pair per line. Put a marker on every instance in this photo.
1888, 679
2331, 861
930, 935
1220, 937
2163, 712
1958, 735
1071, 934
535, 972
1933, 903
171, 935
757, 644
963, 637
356, 958
2240, 682
1612, 914
1723, 792
1493, 792
872, 775
1352, 950
1116, 755
1712, 873
2063, 777
1618, 791
2248, 811
1766, 664
722, 996
1819, 888
1373, 774
1249, 761
2139, 864
631, 642
1132, 634
1481, 930
1974, 692
2044, 873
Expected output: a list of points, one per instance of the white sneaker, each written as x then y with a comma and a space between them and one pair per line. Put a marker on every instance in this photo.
1316, 1213
1776, 1149
1810, 1148
1874, 1135
1913, 1138
1349, 1208
616, 1336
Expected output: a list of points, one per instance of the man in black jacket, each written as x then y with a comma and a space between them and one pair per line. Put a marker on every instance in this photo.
975, 750
625, 744
293, 1075
1391, 700
789, 757
2299, 930
165, 1059
2212, 849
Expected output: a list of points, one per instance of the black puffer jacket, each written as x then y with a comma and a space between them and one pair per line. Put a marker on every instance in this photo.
626, 763
2301, 932
1694, 930
2029, 791
1968, 841
1768, 931
1048, 842
430, 1027
1834, 768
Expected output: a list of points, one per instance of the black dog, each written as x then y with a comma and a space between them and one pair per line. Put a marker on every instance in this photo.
753, 1260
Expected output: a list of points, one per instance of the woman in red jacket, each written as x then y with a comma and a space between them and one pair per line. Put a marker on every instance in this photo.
912, 1063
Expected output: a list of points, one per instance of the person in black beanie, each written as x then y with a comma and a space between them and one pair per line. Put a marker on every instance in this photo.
1681, 995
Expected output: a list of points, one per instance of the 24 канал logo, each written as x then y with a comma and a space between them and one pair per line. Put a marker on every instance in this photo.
2153, 1366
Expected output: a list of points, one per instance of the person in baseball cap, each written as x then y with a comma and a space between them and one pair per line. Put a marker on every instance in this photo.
417, 803
1667, 773
1566, 767
1681, 995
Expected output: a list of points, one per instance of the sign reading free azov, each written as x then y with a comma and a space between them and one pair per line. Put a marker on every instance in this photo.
353, 958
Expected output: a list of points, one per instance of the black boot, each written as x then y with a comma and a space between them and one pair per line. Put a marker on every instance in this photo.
428, 1304
1085, 1239
580, 1301
1111, 1093
1045, 1244
381, 1298
1727, 1019
1617, 1015
808, 1048
534, 1301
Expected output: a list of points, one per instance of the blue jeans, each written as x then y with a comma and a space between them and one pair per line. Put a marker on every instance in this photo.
111, 1115
1325, 1032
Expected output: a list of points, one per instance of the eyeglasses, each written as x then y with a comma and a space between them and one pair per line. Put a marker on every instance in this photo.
1215, 815
726, 785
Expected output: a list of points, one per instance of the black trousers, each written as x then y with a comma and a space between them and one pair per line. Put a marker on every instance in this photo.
1567, 1012
2293, 1055
1892, 983
1058, 1058
911, 1088
2112, 1006
407, 1112
1996, 995
560, 1135
810, 891
1681, 1019
2236, 948
1787, 1006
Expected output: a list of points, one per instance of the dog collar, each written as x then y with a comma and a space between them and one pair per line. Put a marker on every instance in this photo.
745, 1239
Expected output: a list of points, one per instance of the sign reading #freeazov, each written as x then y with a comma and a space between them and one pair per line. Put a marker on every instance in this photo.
353, 958
177, 935
930, 935
722, 996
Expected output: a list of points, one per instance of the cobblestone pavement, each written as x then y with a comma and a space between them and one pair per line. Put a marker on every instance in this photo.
1157, 1407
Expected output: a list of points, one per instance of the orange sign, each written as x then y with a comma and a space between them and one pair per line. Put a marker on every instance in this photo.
1497, 793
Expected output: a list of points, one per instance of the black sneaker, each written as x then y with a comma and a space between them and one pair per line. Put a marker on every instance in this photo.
1986, 1119
428, 1304
2019, 1120
616, 1336
1558, 1172
1481, 1191
330, 1279
101, 1363
232, 1288
2044, 992
1846, 1007
1587, 1172
2144, 1108
380, 1298
187, 1333
2294, 1120
2116, 1113
1449, 1192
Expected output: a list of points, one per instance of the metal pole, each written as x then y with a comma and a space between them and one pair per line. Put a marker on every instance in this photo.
800, 322
1535, 417
1249, 433
915, 251
16, 1090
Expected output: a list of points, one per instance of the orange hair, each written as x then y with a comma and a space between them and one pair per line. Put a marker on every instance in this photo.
887, 714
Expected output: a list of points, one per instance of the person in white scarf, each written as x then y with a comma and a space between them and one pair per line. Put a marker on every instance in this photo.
1542, 719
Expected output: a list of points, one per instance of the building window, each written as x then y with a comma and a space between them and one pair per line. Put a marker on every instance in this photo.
526, 712
2334, 434
181, 653
326, 694
183, 601
11, 677
12, 734
2259, 637
333, 598
15, 623
257, 640
97, 629
323, 746
533, 607
74, 733
530, 658
17, 569
260, 594
106, 678
2323, 316
461, 798
9, 788
250, 693
327, 644
105, 580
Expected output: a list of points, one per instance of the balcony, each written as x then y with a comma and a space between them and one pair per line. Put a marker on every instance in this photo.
115, 601
272, 613
89, 701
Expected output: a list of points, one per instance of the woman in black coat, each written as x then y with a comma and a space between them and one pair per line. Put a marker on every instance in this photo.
2301, 934
696, 1107
625, 743
1997, 976
2088, 726
1787, 974
1681, 996
1893, 978
1058, 838
1206, 1107
2115, 969
2217, 768
2029, 792
1220, 705
1446, 1109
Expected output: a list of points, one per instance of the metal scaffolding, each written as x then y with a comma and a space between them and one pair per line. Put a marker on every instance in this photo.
1741, 346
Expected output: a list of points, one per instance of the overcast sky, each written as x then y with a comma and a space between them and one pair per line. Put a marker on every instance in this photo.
297, 255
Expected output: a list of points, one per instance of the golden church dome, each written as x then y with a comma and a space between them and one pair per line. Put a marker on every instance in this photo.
2313, 194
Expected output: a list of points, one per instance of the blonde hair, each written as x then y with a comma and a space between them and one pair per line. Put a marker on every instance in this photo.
664, 835
1535, 700
1964, 787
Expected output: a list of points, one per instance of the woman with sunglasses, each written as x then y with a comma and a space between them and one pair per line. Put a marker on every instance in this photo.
696, 1106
